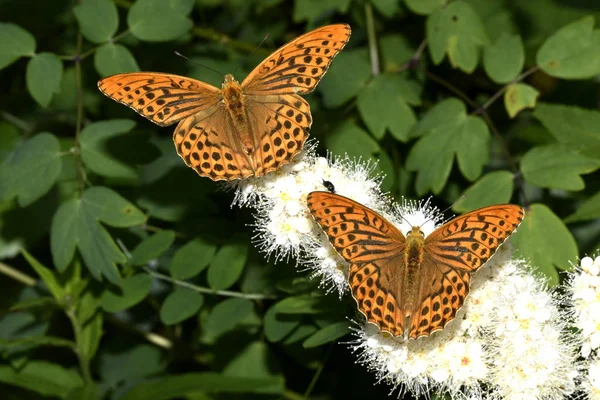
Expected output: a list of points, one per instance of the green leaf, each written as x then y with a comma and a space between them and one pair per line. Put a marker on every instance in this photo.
227, 315
76, 224
96, 139
312, 10
89, 391
588, 210
447, 132
350, 67
48, 276
424, 7
278, 326
31, 170
192, 258
456, 30
37, 341
387, 7
387, 168
300, 333
227, 265
133, 290
544, 240
180, 305
573, 52
350, 139
113, 59
45, 302
15, 42
557, 166
116, 367
10, 138
177, 386
303, 304
493, 188
89, 12
23, 329
503, 60
328, 334
42, 377
396, 52
158, 20
152, 247
254, 361
91, 333
382, 106
88, 306
43, 77
519, 96
574, 126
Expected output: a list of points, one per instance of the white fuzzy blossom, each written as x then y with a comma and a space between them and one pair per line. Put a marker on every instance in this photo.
508, 341
584, 289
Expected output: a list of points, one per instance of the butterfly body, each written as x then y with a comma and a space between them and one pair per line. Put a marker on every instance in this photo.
234, 101
411, 285
242, 129
413, 261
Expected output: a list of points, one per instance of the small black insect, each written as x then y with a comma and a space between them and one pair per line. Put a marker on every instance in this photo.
329, 186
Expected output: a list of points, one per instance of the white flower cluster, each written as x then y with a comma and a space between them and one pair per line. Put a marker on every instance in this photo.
584, 288
509, 340
284, 225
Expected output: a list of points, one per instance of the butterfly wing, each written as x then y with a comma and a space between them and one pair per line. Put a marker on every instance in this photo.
298, 66
280, 124
206, 142
162, 98
374, 248
451, 253
442, 292
468, 241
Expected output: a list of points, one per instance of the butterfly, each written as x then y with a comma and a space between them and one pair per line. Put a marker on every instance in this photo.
411, 285
240, 130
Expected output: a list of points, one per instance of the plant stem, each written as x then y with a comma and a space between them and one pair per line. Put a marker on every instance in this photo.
373, 52
84, 362
81, 177
505, 88
200, 289
317, 374
17, 275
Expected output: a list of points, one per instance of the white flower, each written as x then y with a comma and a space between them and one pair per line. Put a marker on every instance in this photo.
509, 340
592, 383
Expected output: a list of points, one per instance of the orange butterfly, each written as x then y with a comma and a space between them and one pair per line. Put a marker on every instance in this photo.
411, 285
243, 130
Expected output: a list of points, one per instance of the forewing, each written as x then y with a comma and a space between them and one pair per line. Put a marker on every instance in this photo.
206, 143
375, 250
468, 241
298, 66
162, 98
280, 125
443, 290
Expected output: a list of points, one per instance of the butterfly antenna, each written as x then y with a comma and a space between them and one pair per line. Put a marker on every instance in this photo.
405, 220
250, 55
462, 196
201, 65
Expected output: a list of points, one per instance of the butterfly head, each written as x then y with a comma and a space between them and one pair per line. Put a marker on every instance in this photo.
415, 232
229, 79
232, 93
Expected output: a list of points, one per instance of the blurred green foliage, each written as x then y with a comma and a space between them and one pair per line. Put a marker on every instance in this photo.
497, 99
